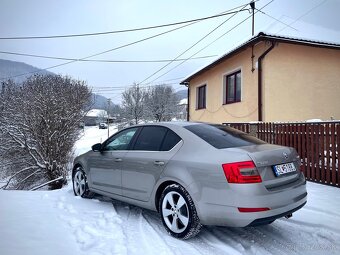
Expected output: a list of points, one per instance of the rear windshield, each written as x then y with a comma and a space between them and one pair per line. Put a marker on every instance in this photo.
222, 137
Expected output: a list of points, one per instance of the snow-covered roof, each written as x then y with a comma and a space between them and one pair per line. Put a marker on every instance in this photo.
261, 37
183, 101
97, 113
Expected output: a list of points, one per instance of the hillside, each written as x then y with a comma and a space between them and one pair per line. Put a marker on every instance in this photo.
10, 68
181, 94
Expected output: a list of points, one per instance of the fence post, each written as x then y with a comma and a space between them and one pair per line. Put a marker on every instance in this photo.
333, 153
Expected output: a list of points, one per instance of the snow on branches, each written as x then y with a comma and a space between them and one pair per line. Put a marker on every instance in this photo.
156, 103
39, 122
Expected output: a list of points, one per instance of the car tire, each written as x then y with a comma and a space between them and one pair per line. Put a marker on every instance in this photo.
80, 186
178, 212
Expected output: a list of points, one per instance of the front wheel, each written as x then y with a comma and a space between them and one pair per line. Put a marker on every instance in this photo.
178, 212
80, 187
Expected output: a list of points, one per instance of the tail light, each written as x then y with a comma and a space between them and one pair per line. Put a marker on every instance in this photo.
241, 172
249, 210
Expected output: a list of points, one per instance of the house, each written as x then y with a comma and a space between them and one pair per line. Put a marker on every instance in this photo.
268, 78
182, 109
95, 116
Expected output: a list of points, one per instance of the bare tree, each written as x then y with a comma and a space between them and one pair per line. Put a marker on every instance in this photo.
39, 125
161, 103
133, 103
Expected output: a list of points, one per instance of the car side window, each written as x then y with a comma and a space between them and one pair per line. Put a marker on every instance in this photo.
150, 138
121, 141
170, 140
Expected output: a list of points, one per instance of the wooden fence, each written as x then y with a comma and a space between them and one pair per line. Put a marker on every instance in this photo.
318, 145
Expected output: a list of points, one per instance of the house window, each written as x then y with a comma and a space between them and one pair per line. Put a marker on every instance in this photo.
233, 88
201, 97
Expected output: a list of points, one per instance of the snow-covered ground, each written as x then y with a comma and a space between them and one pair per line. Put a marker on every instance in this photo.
91, 136
57, 222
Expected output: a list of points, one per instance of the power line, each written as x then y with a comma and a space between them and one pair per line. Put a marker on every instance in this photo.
100, 53
103, 52
97, 60
119, 88
124, 86
287, 25
120, 31
304, 14
209, 43
221, 24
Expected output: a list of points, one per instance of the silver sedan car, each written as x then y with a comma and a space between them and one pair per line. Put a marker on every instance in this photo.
194, 174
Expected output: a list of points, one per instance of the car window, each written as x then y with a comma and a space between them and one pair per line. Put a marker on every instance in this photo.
120, 141
150, 138
221, 136
170, 140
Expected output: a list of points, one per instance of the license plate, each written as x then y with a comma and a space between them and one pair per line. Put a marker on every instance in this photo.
284, 169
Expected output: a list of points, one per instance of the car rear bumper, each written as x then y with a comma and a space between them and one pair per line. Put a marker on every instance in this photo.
219, 206
263, 221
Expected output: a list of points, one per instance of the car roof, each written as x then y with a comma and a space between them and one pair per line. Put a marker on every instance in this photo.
171, 123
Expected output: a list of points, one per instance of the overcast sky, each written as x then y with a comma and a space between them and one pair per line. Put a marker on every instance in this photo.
314, 19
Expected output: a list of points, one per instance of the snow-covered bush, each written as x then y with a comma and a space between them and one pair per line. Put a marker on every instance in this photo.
39, 123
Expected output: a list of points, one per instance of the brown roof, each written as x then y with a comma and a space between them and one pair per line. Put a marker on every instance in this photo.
262, 37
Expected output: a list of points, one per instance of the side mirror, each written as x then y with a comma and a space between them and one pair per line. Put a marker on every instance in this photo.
97, 147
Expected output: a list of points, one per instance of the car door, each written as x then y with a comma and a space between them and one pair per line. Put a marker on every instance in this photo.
106, 164
145, 161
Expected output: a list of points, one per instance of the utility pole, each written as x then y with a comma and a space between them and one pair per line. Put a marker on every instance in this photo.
108, 117
252, 5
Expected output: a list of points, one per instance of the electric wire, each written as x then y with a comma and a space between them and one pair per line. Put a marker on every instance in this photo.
103, 52
205, 36
303, 15
98, 60
122, 31
287, 25
99, 53
210, 43
146, 84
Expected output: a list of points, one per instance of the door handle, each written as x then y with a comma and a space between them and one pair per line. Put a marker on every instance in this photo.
159, 163
118, 160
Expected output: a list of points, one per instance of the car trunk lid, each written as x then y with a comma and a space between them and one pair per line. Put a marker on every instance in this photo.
266, 157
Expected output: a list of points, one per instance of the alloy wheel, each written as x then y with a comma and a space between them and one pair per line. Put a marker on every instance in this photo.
79, 183
175, 212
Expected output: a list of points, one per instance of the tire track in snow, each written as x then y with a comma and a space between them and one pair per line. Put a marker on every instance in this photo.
130, 216
164, 248
150, 224
156, 224
95, 231
195, 245
119, 228
253, 242
319, 236
221, 241
277, 238
320, 211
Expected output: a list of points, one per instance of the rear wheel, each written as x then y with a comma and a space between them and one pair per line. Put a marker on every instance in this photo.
80, 187
178, 212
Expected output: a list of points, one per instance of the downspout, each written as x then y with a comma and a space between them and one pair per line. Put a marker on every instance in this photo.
259, 76
188, 102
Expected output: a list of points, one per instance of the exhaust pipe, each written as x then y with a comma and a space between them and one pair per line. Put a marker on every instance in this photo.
289, 216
